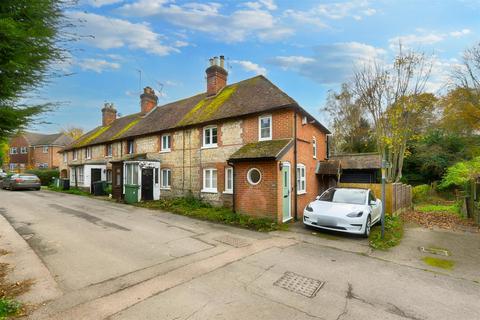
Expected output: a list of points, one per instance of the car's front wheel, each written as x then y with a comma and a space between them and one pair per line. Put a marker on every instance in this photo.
368, 226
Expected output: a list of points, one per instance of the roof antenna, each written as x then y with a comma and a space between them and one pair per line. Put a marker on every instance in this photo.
161, 88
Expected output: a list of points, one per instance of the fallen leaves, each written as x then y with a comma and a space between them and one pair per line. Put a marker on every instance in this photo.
440, 220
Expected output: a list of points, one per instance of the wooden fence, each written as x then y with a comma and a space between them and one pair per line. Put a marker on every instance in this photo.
398, 196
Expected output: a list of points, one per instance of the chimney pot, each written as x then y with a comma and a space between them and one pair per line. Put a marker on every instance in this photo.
148, 100
216, 75
109, 114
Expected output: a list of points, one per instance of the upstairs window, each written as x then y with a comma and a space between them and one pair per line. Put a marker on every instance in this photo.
88, 153
130, 146
109, 151
75, 154
210, 137
301, 179
13, 150
265, 128
314, 146
45, 149
23, 150
166, 144
65, 157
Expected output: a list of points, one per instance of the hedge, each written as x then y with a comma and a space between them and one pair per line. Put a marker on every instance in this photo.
46, 175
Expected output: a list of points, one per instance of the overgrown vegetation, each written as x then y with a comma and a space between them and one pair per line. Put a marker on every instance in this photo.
9, 308
76, 191
195, 208
439, 263
393, 233
45, 175
439, 208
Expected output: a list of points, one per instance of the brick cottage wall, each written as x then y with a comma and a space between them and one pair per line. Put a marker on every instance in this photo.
19, 158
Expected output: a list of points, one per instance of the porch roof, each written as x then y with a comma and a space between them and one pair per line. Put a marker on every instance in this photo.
359, 160
271, 149
328, 167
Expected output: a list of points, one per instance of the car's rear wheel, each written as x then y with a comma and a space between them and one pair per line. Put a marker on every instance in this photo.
368, 226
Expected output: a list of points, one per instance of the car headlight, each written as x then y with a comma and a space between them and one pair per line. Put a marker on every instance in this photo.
309, 208
355, 214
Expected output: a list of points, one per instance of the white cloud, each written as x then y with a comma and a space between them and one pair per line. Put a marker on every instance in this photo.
254, 19
107, 33
331, 64
305, 17
251, 66
424, 38
101, 3
97, 65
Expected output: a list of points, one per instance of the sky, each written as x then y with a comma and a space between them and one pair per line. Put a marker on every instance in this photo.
307, 48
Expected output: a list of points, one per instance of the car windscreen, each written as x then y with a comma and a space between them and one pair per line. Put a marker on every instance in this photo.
25, 177
344, 196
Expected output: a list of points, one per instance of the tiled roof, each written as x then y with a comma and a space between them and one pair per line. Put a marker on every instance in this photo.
38, 139
271, 149
254, 95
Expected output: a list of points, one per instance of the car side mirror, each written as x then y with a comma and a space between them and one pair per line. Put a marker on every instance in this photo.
373, 202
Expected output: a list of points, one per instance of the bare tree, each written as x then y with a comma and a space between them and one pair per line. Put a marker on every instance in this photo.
72, 131
393, 95
468, 74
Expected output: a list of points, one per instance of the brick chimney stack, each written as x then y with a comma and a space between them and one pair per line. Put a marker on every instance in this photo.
148, 100
216, 75
109, 114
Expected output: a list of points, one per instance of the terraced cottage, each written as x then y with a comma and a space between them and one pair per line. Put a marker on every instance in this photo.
247, 145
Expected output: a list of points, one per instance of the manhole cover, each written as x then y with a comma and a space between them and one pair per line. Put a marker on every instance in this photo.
232, 241
305, 286
438, 251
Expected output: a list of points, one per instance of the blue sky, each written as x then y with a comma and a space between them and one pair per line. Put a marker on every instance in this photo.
305, 47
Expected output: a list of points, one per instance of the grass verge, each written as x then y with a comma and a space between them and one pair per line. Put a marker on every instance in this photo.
439, 263
9, 308
439, 208
393, 233
69, 191
195, 208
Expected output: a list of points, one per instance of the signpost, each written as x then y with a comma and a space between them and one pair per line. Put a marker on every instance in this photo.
384, 178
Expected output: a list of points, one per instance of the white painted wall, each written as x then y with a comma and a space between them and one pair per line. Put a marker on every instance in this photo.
144, 164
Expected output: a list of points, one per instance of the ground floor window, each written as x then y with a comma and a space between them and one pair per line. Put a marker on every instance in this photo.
254, 176
209, 180
301, 179
228, 180
166, 180
80, 176
109, 175
131, 176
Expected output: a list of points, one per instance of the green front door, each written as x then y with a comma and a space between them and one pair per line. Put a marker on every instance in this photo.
286, 203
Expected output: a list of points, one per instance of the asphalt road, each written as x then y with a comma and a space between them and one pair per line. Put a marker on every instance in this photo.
119, 262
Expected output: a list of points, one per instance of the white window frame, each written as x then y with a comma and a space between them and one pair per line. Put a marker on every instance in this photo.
163, 142
65, 157
304, 120
23, 150
165, 184
109, 150
80, 175
209, 187
301, 179
248, 176
45, 149
75, 154
228, 174
131, 174
88, 153
128, 147
13, 150
314, 146
260, 138
211, 144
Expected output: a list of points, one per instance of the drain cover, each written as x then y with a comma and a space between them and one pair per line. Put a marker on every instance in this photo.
28, 236
438, 251
293, 282
232, 241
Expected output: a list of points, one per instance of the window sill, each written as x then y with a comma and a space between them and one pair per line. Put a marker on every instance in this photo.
264, 139
165, 151
227, 192
299, 193
209, 191
210, 146
165, 188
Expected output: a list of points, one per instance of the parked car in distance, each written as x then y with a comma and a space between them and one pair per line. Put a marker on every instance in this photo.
22, 181
344, 209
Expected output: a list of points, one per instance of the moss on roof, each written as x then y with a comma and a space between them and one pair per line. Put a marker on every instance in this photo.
206, 107
127, 127
89, 138
261, 149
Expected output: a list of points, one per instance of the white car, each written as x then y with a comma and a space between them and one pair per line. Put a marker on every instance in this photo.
344, 209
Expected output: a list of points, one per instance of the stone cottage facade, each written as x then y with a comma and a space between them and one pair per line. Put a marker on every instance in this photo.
31, 150
247, 145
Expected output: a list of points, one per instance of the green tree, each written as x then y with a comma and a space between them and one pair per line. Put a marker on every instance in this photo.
29, 45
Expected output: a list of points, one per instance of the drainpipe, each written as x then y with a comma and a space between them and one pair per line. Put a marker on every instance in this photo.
233, 186
295, 165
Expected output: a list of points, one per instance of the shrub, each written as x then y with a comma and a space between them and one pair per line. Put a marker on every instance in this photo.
9, 308
393, 233
461, 172
45, 175
420, 193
